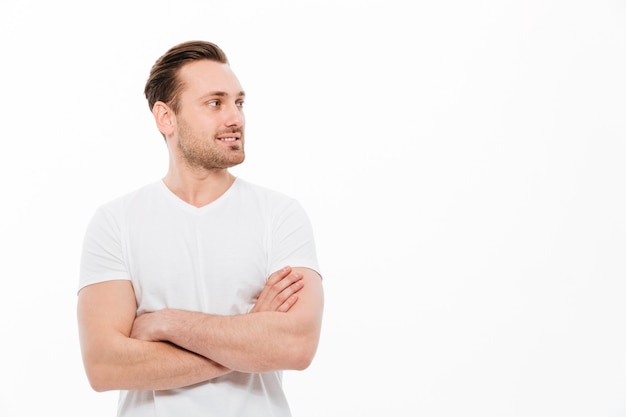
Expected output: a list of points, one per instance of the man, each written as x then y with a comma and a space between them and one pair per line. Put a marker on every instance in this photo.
196, 291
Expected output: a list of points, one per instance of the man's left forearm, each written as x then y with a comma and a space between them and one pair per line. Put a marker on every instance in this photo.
255, 342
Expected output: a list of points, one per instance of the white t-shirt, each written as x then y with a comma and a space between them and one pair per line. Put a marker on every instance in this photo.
213, 259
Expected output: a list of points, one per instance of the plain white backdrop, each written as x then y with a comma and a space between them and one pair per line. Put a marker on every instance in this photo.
462, 164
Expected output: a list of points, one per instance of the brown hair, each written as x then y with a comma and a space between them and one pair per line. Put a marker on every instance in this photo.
163, 83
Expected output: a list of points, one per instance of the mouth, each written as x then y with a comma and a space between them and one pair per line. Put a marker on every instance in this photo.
229, 137
231, 141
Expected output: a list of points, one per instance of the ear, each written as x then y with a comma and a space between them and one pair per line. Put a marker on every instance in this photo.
164, 118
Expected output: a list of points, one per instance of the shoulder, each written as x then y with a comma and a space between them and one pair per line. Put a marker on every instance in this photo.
116, 208
250, 188
139, 195
276, 205
264, 196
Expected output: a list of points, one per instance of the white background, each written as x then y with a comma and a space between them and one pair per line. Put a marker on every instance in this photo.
462, 164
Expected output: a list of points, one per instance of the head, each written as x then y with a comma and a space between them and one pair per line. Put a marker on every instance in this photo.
197, 103
164, 84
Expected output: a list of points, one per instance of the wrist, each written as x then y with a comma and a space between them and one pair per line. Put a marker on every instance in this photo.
167, 323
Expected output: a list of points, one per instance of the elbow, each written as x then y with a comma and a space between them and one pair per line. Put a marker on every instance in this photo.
295, 353
302, 363
98, 387
97, 383
97, 377
303, 344
302, 353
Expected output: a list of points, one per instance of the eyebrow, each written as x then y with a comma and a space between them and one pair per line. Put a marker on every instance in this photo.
221, 94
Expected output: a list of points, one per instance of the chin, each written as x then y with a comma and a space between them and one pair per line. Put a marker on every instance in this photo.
237, 161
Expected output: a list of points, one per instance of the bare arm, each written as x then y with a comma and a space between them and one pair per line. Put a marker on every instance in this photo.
259, 342
113, 360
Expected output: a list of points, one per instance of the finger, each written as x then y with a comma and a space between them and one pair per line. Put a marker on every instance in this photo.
278, 275
265, 297
285, 283
283, 296
272, 297
275, 288
289, 302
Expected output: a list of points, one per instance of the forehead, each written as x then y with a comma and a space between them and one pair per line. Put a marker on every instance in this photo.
206, 77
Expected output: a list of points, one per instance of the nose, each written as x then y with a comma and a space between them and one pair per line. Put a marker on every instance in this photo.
234, 116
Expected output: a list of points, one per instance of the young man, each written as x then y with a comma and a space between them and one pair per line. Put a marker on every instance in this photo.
196, 291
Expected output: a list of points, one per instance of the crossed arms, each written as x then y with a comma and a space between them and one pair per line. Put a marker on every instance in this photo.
172, 348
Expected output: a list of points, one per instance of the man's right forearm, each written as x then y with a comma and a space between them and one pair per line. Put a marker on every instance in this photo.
148, 366
113, 360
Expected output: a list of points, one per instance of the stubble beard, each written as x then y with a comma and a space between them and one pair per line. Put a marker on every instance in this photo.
203, 152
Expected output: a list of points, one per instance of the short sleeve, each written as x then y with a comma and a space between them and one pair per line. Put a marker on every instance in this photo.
292, 241
102, 254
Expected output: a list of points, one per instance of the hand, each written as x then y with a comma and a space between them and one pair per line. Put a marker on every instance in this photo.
280, 292
145, 326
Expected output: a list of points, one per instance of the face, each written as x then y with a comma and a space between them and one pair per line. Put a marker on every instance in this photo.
210, 122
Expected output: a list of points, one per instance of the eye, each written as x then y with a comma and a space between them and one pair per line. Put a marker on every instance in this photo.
240, 104
214, 103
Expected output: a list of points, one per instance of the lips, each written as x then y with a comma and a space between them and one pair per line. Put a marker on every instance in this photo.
230, 135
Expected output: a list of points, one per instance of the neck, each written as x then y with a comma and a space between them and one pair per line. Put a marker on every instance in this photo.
199, 188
